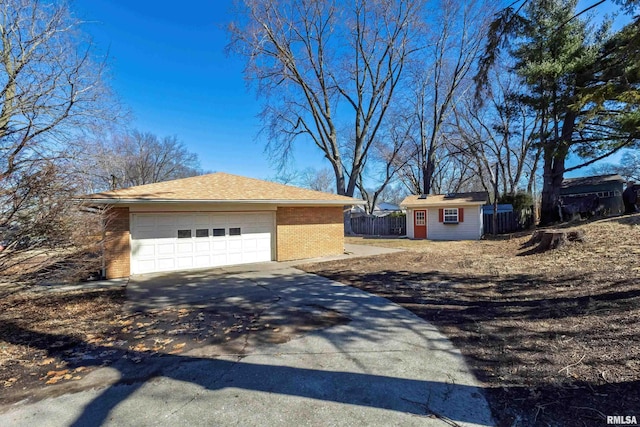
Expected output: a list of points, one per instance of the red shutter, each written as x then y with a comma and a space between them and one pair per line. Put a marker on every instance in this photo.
441, 215
460, 214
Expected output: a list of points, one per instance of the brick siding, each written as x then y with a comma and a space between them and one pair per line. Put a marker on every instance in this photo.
309, 232
117, 246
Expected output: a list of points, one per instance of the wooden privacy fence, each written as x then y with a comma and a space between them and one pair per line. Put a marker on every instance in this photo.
380, 226
508, 222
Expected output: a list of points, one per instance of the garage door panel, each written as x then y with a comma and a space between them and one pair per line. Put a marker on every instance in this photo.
146, 251
151, 234
166, 264
203, 247
202, 220
249, 244
264, 243
219, 244
147, 266
218, 260
166, 248
184, 261
248, 257
184, 248
164, 220
202, 260
235, 258
234, 245
156, 246
185, 220
147, 232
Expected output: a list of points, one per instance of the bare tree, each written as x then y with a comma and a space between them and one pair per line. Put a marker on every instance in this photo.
314, 179
394, 193
318, 179
51, 91
50, 88
138, 158
628, 168
389, 155
323, 66
456, 40
502, 133
454, 174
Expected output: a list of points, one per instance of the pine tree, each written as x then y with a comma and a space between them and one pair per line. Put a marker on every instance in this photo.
583, 83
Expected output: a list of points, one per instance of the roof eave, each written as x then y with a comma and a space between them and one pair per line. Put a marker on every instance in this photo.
248, 202
425, 205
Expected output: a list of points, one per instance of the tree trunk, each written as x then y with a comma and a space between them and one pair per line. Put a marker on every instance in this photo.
552, 181
428, 169
544, 240
554, 158
348, 231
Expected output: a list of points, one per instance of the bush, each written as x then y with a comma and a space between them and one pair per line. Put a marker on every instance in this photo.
520, 201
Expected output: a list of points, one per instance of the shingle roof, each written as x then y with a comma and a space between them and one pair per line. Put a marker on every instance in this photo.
457, 199
219, 187
591, 180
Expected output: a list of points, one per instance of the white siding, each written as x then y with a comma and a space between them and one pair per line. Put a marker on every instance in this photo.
410, 223
469, 229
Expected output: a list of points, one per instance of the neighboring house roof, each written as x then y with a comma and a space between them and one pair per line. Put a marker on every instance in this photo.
455, 199
591, 180
381, 208
384, 206
219, 187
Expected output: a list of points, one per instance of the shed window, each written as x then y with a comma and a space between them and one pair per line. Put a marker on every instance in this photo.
234, 231
202, 232
451, 216
184, 234
217, 232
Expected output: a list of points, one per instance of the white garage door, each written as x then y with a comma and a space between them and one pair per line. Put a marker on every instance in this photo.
165, 242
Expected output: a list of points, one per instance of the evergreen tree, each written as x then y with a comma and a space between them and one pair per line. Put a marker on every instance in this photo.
583, 83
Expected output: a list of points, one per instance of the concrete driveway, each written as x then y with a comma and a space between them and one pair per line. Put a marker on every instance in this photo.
373, 363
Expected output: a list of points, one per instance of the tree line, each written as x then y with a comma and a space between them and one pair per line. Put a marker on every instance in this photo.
62, 134
443, 96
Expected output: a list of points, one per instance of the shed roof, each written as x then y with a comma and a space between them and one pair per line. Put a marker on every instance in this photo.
455, 199
591, 180
219, 187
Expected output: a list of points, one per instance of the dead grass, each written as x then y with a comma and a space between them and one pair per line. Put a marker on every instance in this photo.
555, 336
50, 340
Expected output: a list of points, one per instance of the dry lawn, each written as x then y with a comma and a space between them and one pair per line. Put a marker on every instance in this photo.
51, 341
554, 335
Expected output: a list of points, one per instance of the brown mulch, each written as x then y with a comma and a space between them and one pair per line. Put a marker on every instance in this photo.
554, 336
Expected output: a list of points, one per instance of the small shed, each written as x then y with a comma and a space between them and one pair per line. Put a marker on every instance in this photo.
607, 188
456, 216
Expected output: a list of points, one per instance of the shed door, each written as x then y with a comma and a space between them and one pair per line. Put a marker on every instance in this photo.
420, 224
179, 241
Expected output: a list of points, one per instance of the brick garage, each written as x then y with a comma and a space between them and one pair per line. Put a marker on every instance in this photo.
308, 232
215, 220
117, 248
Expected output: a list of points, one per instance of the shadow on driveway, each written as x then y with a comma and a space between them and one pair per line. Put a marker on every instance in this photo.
384, 362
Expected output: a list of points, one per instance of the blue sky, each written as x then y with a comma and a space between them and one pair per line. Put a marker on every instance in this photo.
168, 66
